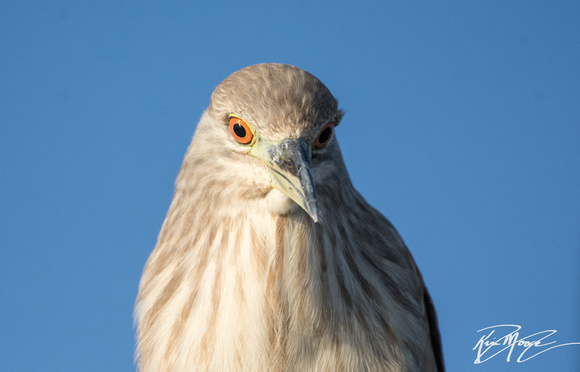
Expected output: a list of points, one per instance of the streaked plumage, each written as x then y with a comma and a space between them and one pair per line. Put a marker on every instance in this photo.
243, 278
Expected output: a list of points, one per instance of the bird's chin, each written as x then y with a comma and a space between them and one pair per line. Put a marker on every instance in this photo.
279, 204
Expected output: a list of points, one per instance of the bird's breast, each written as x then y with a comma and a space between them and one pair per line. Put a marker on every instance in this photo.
268, 291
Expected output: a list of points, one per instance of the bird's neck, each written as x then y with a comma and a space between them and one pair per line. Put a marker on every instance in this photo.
282, 282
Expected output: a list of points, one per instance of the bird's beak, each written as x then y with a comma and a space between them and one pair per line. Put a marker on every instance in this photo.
289, 165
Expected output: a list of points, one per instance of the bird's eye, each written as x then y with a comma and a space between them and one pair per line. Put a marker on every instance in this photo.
324, 136
240, 130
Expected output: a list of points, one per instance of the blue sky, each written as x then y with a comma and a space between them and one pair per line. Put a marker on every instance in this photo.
462, 127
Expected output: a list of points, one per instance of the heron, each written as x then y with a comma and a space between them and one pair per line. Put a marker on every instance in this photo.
269, 259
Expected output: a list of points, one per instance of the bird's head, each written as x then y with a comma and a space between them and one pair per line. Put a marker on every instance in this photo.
267, 138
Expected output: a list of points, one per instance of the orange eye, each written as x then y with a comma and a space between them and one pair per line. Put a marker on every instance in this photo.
240, 130
324, 136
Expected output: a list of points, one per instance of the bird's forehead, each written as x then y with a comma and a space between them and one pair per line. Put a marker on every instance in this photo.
279, 100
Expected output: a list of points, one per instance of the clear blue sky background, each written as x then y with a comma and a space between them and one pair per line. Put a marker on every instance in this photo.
462, 127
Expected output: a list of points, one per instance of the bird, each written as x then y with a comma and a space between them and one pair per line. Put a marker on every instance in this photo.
268, 258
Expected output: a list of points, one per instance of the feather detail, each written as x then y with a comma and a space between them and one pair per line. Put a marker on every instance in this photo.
282, 292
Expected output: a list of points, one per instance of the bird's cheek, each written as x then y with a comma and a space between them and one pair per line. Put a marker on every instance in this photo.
261, 178
322, 172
